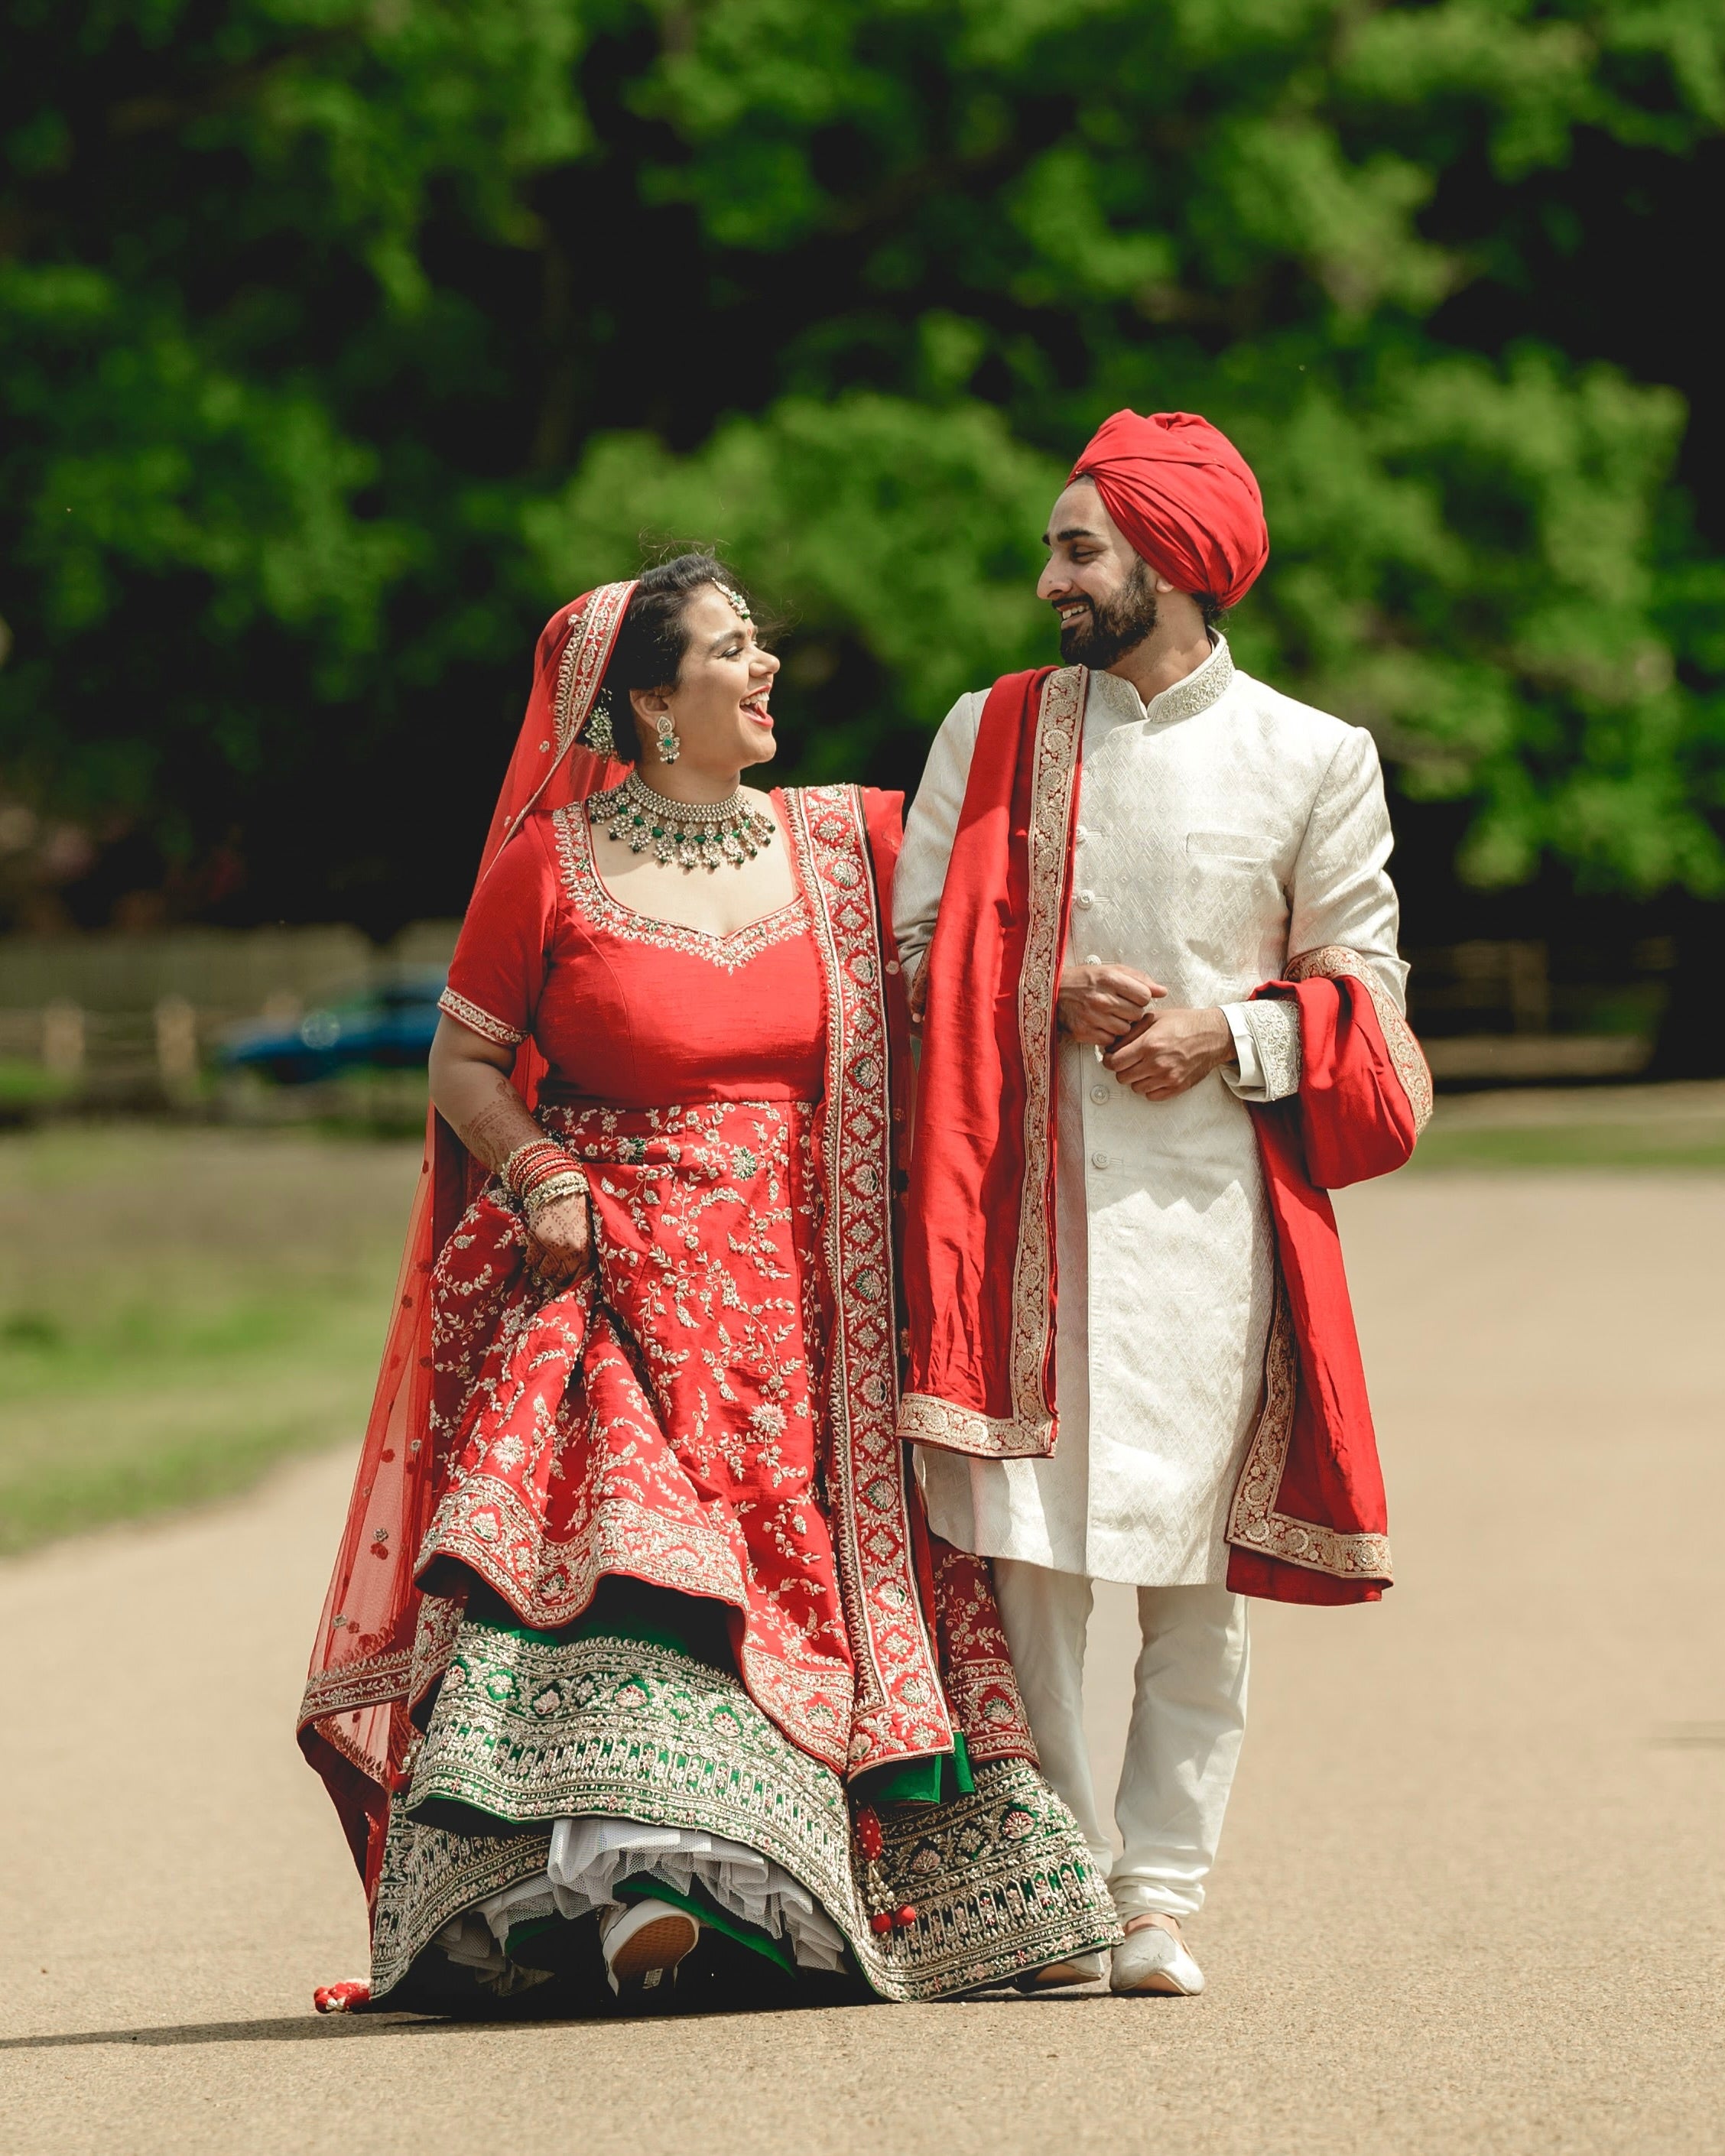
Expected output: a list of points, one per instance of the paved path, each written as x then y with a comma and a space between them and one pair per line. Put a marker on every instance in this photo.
1470, 1898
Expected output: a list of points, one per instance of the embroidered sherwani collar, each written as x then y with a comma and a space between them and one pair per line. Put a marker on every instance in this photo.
1206, 685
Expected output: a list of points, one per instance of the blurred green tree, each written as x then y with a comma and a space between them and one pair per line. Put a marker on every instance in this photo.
339, 341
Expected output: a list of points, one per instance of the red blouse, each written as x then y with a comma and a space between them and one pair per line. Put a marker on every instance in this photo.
625, 1008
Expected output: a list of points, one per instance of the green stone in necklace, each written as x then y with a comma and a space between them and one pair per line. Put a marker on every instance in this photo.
692, 834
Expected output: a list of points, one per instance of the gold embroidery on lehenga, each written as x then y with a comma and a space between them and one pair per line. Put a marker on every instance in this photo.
982, 1688
530, 1730
582, 1428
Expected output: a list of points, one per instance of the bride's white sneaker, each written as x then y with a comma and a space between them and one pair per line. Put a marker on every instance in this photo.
1153, 1958
643, 1942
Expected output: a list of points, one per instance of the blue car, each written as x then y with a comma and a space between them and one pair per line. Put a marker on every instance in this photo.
385, 1028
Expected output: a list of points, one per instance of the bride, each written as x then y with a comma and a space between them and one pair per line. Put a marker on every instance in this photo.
640, 1673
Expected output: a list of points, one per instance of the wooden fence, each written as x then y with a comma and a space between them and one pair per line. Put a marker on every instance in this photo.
1513, 1011
138, 1022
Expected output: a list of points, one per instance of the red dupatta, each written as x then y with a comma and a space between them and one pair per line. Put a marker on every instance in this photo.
353, 1726
978, 1258
1307, 1522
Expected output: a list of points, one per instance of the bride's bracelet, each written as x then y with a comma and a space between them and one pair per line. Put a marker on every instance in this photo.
551, 1191
532, 1168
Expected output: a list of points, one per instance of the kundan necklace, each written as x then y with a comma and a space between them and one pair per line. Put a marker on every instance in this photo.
695, 834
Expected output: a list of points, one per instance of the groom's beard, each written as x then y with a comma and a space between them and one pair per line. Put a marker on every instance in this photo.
1114, 625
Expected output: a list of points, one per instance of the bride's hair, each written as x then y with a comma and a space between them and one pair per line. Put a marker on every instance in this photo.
650, 644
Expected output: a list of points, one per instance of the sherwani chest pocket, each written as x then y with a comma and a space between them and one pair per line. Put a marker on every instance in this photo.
1233, 897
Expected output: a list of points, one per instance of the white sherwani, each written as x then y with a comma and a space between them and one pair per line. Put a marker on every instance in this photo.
1222, 828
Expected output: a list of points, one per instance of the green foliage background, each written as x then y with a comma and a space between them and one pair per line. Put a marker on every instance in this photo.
339, 342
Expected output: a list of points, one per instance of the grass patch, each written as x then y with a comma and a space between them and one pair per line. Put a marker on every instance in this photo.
180, 1308
1673, 1142
27, 1087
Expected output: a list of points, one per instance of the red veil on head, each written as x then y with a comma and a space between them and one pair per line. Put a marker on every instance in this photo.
353, 1722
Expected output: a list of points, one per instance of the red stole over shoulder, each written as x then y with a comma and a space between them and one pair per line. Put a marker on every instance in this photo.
1307, 1522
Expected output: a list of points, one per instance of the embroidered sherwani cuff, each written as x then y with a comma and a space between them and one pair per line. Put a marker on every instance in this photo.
1266, 1040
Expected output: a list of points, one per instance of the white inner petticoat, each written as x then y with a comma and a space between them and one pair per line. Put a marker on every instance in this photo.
588, 1855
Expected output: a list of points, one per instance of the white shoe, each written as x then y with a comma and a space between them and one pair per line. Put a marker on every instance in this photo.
1153, 1958
1056, 1975
642, 1943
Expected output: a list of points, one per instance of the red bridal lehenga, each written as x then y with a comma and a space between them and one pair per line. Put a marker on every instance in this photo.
635, 1598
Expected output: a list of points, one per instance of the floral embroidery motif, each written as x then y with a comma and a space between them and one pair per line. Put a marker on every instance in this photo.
1274, 1028
588, 889
1204, 685
478, 1021
438, 1623
981, 1688
1404, 1053
663, 1420
1253, 1521
365, 1682
532, 1730
524, 1730
1029, 1432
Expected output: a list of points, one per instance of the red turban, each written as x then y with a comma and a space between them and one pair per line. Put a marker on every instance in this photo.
1184, 498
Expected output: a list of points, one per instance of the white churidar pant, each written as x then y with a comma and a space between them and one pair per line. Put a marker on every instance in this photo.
1181, 1745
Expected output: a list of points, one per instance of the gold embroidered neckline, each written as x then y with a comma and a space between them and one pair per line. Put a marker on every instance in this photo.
595, 900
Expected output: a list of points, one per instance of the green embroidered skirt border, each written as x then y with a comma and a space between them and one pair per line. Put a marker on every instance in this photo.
528, 1728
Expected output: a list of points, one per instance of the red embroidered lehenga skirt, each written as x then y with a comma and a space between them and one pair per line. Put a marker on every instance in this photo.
679, 1627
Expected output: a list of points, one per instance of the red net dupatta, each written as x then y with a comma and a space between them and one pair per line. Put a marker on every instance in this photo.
353, 1724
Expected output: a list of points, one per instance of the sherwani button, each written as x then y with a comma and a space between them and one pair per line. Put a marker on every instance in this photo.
1099, 1092
1083, 898
1098, 1160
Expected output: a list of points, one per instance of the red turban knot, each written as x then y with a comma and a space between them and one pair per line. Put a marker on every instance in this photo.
1183, 497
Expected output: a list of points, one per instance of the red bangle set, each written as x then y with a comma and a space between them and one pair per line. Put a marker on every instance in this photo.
537, 1162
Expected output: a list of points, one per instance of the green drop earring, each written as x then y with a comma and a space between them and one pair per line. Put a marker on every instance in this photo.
670, 748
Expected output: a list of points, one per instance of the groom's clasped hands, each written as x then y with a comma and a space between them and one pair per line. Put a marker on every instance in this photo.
1156, 1053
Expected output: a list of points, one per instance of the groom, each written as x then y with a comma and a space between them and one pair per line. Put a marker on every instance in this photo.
1143, 907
